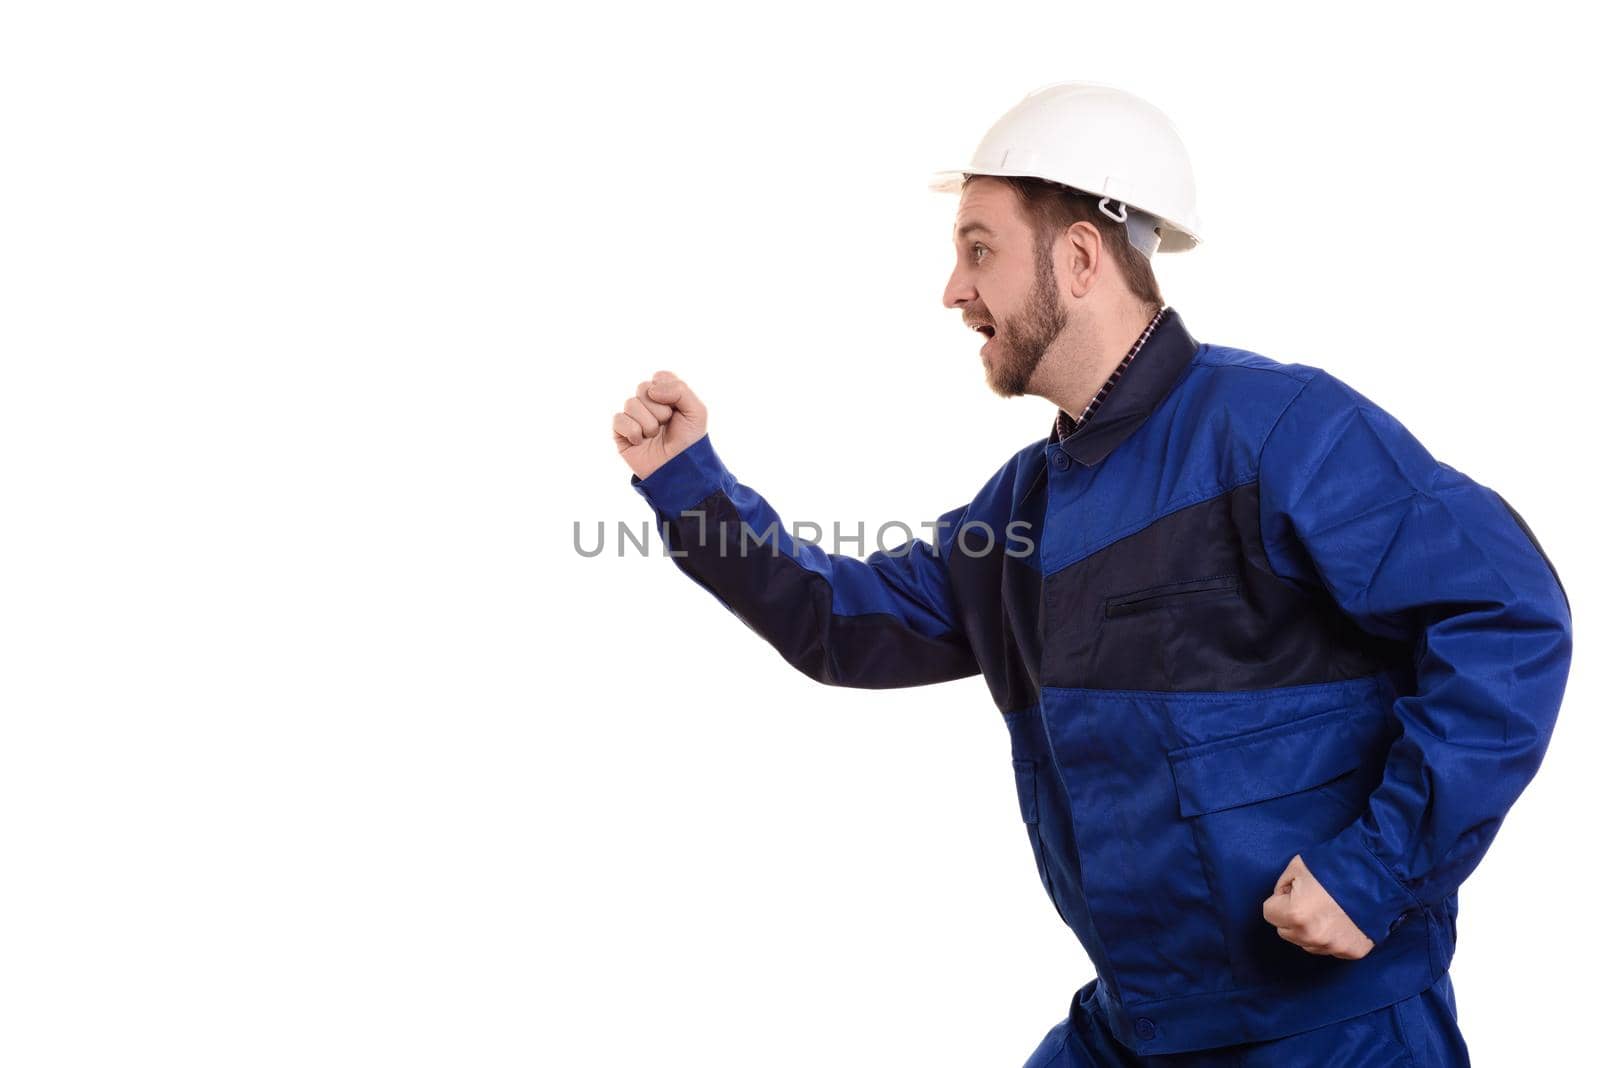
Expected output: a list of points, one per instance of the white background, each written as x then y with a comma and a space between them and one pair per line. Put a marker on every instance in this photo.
322, 745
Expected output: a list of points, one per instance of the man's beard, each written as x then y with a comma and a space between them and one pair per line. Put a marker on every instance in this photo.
1028, 336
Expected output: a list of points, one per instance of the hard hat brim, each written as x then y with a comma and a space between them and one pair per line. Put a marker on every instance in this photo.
1173, 238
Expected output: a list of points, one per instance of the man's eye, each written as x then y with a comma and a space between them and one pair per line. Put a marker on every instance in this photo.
975, 249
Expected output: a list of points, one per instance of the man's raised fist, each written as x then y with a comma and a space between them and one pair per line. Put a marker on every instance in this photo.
659, 421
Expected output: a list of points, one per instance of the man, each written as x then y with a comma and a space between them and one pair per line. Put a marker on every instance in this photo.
1273, 675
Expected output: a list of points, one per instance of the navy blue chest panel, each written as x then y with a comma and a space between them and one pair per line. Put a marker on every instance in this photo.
1185, 602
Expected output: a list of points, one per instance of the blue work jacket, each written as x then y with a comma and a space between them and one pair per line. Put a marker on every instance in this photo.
1241, 614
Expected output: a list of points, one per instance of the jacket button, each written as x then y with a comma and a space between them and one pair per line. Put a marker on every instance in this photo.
1061, 460
1146, 1029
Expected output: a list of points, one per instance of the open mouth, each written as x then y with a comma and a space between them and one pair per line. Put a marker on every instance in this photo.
988, 335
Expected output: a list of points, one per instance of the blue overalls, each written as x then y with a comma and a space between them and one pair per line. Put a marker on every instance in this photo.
1240, 615
1415, 1032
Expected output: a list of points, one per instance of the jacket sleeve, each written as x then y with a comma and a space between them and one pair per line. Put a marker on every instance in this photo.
885, 621
1415, 551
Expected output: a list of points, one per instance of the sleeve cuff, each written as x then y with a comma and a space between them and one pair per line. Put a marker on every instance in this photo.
1362, 884
686, 479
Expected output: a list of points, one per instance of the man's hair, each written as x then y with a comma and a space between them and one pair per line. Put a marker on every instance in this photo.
1050, 207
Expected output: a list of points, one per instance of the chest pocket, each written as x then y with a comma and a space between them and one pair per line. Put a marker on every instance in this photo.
1171, 595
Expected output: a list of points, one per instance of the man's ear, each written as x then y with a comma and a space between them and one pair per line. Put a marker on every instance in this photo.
1079, 257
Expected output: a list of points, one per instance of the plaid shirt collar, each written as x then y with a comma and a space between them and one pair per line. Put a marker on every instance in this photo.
1066, 426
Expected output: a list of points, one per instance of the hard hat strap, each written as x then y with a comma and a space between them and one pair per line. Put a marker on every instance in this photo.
1121, 207
1141, 228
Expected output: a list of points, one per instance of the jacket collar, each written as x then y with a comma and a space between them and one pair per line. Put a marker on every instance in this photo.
1144, 385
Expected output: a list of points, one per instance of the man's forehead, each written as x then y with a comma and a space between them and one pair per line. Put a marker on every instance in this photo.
983, 209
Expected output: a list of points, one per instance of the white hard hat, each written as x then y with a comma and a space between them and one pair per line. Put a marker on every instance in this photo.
1099, 140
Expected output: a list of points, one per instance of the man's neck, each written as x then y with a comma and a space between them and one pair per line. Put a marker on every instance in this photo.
1070, 379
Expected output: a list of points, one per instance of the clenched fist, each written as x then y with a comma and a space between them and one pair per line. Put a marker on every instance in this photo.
659, 421
1307, 915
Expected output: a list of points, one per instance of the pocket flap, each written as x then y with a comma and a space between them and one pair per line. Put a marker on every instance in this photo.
1274, 761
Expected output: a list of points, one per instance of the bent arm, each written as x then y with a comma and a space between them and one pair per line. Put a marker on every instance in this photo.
885, 621
1412, 549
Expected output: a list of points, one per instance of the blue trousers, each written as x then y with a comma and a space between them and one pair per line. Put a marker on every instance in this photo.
1419, 1032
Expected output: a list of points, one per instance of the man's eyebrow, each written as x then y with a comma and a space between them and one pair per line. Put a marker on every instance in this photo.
973, 227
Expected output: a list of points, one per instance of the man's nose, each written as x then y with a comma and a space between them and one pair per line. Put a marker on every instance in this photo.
957, 290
